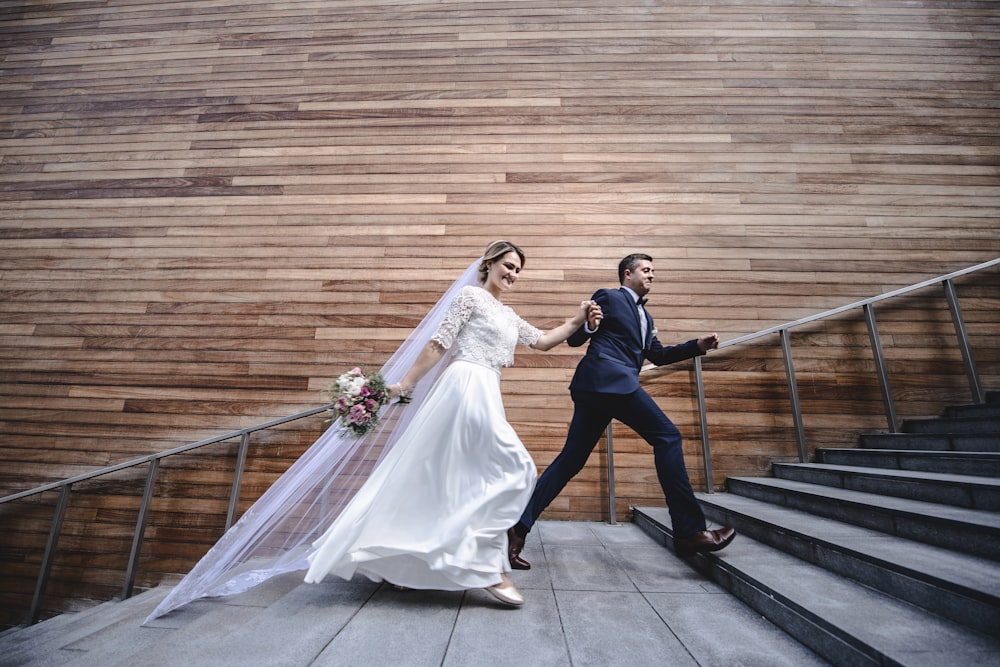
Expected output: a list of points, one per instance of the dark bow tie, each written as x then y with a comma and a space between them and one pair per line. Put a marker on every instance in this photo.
642, 301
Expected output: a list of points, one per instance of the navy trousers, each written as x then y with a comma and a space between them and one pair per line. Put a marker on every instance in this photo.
591, 415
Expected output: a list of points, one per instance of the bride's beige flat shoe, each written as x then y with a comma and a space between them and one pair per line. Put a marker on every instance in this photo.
507, 593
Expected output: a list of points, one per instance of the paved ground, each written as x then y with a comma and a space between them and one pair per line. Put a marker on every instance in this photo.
596, 595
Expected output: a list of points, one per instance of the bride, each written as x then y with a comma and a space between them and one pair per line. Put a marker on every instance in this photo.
451, 474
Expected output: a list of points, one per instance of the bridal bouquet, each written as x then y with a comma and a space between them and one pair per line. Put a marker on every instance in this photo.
357, 400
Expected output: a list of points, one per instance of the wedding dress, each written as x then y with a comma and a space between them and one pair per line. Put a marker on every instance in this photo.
436, 511
460, 461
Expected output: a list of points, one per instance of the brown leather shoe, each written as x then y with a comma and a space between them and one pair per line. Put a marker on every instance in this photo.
705, 541
514, 545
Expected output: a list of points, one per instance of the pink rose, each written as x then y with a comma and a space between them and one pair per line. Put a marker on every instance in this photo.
359, 415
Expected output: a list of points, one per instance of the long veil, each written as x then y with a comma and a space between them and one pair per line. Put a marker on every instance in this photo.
276, 533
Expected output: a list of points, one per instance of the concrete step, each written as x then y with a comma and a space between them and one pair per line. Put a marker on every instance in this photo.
942, 442
982, 493
846, 622
975, 532
985, 464
960, 587
279, 624
23, 645
978, 410
955, 426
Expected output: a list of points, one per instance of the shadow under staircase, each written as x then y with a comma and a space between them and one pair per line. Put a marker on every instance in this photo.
885, 554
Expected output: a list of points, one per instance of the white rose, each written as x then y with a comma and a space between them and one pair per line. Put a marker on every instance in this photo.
353, 386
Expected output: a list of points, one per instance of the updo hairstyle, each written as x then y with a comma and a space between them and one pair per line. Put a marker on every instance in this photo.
495, 251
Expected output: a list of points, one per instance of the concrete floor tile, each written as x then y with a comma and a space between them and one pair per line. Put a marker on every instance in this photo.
654, 569
125, 642
617, 629
718, 632
529, 635
396, 628
206, 640
298, 627
586, 568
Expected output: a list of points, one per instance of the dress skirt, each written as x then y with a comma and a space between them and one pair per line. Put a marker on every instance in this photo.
434, 513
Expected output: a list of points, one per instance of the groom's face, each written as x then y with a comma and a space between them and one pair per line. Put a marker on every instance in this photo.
640, 280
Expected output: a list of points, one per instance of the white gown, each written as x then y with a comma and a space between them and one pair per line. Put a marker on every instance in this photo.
435, 512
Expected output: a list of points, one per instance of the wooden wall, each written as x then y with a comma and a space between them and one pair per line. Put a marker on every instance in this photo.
209, 209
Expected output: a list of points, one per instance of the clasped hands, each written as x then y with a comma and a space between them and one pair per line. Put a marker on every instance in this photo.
593, 314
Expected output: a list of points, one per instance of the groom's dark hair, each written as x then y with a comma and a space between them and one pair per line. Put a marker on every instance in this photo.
629, 264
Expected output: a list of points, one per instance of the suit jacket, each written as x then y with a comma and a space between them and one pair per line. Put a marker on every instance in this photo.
616, 351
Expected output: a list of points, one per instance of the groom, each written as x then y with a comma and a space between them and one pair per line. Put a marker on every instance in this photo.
605, 387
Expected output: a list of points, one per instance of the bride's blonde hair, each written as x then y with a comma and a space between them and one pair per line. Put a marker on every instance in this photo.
495, 251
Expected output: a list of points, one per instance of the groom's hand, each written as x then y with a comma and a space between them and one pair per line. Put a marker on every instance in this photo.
708, 342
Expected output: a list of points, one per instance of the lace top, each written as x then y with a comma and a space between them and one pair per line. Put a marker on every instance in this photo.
479, 328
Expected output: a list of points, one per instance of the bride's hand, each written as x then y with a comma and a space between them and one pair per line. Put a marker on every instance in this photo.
396, 390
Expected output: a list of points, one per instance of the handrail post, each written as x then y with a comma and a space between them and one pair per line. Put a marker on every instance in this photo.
234, 495
612, 511
881, 368
706, 450
793, 395
50, 549
963, 342
140, 529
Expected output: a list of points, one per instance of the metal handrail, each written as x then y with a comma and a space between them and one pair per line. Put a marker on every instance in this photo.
782, 330
858, 304
64, 487
160, 455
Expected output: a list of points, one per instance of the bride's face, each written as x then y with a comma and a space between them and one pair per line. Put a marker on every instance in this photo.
503, 273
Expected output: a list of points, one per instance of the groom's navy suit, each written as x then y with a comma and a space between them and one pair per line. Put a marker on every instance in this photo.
605, 387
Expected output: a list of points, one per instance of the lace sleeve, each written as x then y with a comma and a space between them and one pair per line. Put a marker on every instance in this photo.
455, 318
527, 334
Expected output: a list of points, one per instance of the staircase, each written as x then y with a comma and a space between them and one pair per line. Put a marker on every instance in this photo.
888, 554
